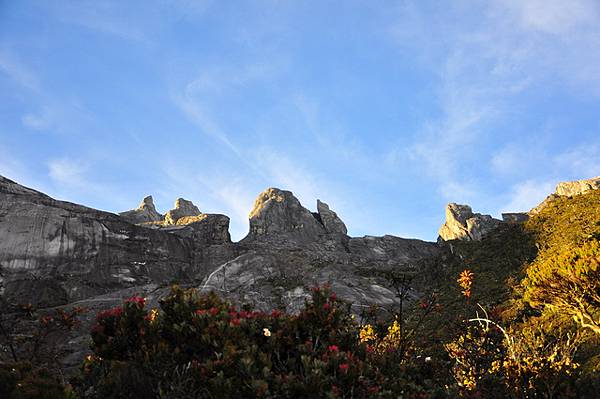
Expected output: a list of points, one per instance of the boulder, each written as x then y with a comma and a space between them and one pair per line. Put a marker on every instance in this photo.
182, 209
462, 224
145, 213
330, 220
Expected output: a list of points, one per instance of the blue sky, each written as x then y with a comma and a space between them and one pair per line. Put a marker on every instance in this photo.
385, 110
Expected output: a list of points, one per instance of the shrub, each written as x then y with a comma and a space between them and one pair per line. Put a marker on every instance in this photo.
568, 282
201, 346
23, 381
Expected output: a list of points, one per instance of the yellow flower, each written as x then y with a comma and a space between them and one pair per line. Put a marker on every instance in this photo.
266, 332
367, 334
152, 315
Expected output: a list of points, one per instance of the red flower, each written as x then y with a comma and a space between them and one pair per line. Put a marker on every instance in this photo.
344, 367
333, 296
98, 329
245, 315
214, 311
201, 312
333, 348
114, 312
373, 389
235, 322
138, 300
327, 306
276, 313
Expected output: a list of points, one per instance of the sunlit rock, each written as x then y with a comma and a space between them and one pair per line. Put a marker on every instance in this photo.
183, 208
144, 213
462, 224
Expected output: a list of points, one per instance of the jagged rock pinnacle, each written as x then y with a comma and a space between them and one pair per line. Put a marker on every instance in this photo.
277, 212
331, 221
462, 224
183, 208
577, 187
144, 213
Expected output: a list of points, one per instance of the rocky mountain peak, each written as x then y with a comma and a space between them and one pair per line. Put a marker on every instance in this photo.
568, 189
462, 224
330, 220
144, 213
147, 203
577, 187
183, 208
278, 211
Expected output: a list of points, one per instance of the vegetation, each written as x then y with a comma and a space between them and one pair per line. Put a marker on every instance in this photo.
201, 346
516, 315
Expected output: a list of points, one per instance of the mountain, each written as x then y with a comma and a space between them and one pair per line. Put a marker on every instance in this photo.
54, 252
58, 254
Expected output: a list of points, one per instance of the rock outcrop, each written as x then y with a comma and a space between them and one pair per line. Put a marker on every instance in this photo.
278, 212
462, 224
183, 208
145, 213
330, 220
515, 217
54, 252
568, 189
577, 187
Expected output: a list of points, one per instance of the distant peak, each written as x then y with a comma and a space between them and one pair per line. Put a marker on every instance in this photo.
330, 219
278, 211
577, 187
147, 202
462, 224
183, 208
144, 213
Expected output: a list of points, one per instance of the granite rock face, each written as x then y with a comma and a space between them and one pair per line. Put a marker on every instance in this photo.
568, 189
462, 224
330, 220
145, 213
183, 208
54, 252
577, 187
278, 212
515, 217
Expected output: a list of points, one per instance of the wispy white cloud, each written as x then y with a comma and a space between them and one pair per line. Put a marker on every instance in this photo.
18, 72
582, 161
527, 195
553, 16
104, 17
481, 67
42, 120
68, 172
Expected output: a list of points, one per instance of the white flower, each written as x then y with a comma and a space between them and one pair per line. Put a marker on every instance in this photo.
266, 332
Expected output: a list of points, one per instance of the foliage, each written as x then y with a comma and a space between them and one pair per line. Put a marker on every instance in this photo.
528, 363
23, 381
465, 280
198, 346
569, 282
